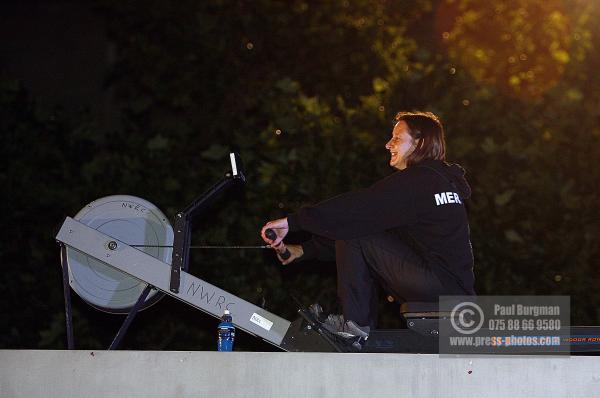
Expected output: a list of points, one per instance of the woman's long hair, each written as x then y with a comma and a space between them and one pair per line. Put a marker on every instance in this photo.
426, 127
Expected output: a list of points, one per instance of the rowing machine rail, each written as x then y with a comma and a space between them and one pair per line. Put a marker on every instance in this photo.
109, 251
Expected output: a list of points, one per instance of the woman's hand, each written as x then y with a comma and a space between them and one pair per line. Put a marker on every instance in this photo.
296, 251
280, 227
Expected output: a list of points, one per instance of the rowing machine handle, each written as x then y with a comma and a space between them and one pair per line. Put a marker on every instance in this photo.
272, 235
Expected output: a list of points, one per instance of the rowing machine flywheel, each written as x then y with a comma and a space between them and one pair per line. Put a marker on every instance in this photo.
128, 219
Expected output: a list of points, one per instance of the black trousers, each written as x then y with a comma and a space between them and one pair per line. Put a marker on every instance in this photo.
383, 260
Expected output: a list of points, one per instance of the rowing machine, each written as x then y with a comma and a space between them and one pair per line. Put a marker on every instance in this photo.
121, 255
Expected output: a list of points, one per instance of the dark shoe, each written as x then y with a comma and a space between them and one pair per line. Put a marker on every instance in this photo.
347, 329
334, 323
317, 311
359, 331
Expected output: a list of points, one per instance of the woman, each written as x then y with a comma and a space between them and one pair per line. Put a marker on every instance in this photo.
408, 233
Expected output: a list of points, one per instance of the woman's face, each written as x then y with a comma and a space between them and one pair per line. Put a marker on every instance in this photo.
400, 145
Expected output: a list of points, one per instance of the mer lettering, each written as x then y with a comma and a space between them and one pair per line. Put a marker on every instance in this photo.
444, 198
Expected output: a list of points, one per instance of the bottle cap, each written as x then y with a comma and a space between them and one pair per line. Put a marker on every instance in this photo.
226, 312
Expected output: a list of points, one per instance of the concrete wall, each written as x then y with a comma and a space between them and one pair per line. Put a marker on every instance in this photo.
146, 374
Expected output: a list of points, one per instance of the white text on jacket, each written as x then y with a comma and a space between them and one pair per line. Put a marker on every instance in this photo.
444, 198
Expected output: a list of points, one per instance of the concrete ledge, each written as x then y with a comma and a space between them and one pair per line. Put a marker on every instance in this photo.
50, 374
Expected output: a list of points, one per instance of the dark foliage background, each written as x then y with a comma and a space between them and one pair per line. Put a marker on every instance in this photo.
306, 92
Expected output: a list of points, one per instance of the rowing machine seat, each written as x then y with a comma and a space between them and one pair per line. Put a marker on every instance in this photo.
424, 317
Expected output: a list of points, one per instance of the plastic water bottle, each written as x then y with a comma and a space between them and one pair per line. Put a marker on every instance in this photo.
226, 332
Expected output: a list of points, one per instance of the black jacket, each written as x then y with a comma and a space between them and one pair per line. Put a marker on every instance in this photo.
424, 202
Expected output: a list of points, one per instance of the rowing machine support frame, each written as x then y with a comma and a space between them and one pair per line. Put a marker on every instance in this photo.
184, 220
173, 279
